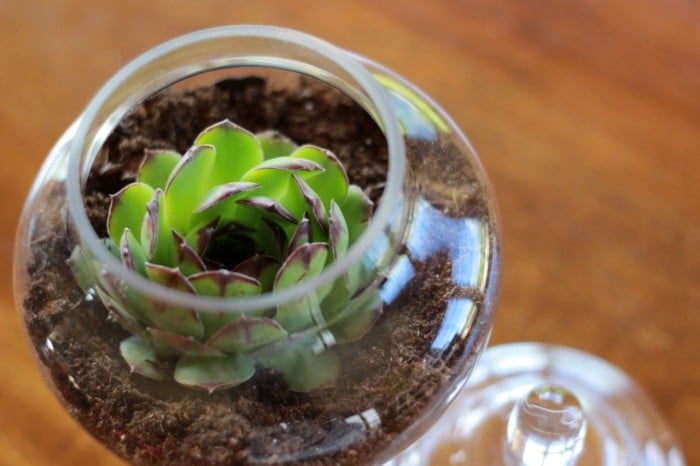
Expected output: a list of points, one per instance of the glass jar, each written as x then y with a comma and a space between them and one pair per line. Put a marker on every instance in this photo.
429, 256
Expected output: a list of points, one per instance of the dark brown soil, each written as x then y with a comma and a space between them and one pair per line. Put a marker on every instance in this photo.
392, 369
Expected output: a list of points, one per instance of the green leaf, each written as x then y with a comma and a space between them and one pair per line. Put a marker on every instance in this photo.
174, 319
223, 282
127, 210
131, 252
301, 314
353, 320
183, 344
275, 144
83, 269
187, 184
357, 209
142, 359
111, 247
312, 371
303, 263
333, 183
237, 151
127, 297
247, 335
156, 167
125, 318
213, 373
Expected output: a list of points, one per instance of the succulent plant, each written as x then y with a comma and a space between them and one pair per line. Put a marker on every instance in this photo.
238, 215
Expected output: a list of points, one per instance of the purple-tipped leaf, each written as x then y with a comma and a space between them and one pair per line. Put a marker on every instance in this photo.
168, 276
213, 373
289, 164
303, 263
223, 282
156, 237
188, 261
174, 319
220, 193
334, 182
301, 235
338, 234
182, 344
315, 205
131, 253
269, 206
247, 334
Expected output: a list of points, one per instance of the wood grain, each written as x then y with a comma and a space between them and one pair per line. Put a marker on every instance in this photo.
585, 113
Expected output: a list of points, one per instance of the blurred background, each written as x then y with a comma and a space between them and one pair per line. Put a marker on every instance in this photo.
586, 115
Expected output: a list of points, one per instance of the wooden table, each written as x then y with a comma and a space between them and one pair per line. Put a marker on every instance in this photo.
586, 114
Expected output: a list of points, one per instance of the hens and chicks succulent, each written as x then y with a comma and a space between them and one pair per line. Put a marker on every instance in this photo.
238, 215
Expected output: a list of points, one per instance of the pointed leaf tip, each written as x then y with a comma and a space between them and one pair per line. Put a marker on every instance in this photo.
237, 151
183, 344
301, 235
156, 239
220, 193
290, 164
156, 167
223, 282
339, 236
127, 210
275, 144
268, 205
131, 253
303, 263
142, 359
314, 202
247, 335
212, 374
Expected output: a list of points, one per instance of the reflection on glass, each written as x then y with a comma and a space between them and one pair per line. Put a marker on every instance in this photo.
464, 239
457, 322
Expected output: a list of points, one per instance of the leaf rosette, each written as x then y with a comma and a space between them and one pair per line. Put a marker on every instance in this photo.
239, 214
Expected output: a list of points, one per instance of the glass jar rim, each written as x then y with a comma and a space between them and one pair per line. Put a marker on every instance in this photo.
346, 61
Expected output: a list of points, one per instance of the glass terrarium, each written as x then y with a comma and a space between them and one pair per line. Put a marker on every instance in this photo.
329, 321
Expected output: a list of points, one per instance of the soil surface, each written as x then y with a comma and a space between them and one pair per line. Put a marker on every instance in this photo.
392, 370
